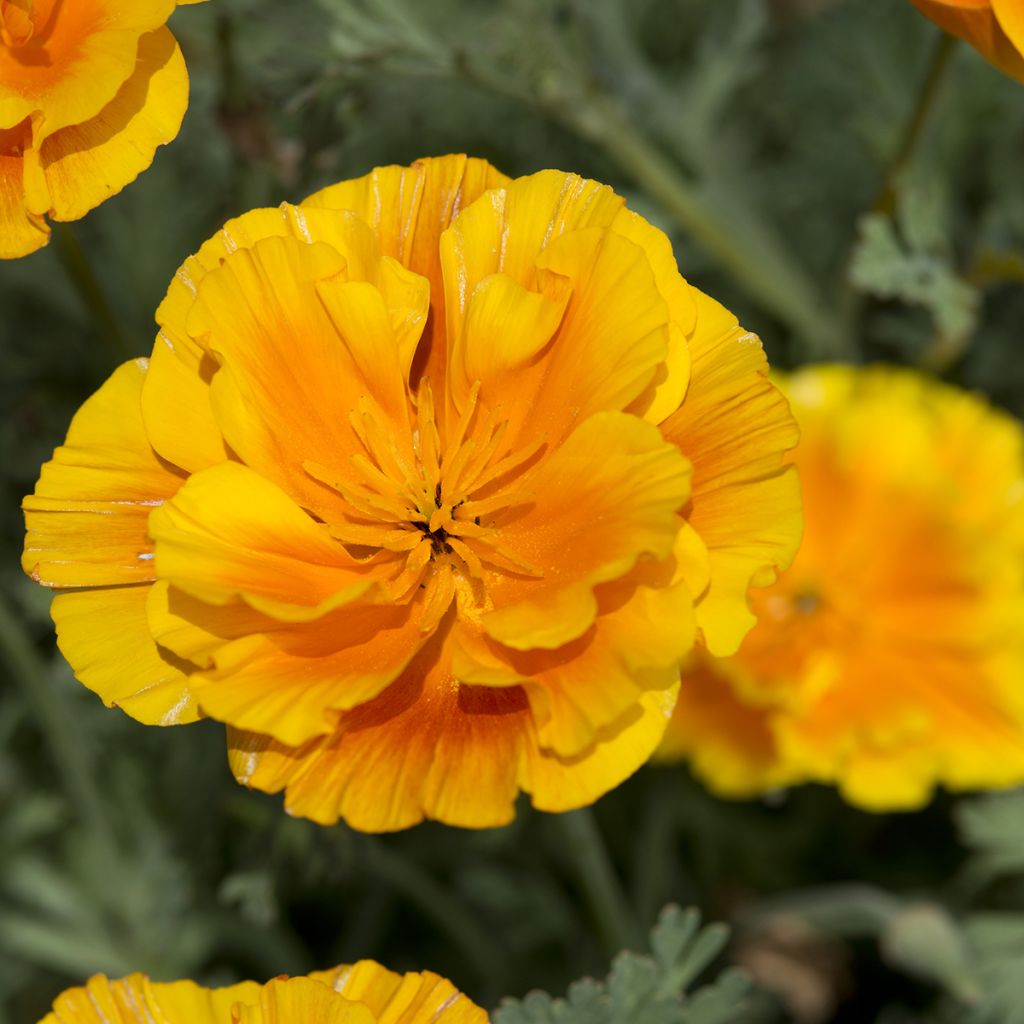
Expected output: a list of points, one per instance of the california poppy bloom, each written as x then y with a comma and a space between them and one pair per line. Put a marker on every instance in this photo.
993, 27
88, 90
364, 993
888, 659
425, 490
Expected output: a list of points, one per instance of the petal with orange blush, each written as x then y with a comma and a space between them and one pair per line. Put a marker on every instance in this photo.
229, 532
430, 748
993, 27
88, 162
87, 520
287, 381
79, 57
426, 747
558, 784
643, 627
105, 637
586, 522
735, 427
21, 230
413, 998
286, 679
408, 209
730, 743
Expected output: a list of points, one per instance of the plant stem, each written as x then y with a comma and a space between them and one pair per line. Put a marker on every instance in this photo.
601, 887
66, 749
90, 291
885, 201
740, 242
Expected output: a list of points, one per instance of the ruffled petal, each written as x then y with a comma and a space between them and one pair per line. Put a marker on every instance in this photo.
413, 998
87, 521
735, 427
137, 1000
301, 351
284, 679
408, 209
105, 637
86, 163
229, 532
21, 230
548, 234
429, 747
644, 626
587, 522
77, 60
290, 1000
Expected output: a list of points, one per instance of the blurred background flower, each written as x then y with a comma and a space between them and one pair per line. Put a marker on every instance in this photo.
889, 658
88, 92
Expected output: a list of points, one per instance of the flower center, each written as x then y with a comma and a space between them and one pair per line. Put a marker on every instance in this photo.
434, 505
18, 20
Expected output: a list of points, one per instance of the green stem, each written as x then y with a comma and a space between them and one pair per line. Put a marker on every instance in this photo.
66, 748
601, 887
739, 241
885, 201
90, 291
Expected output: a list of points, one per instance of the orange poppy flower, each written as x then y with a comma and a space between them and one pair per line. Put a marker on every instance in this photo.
88, 90
364, 993
993, 27
889, 657
427, 487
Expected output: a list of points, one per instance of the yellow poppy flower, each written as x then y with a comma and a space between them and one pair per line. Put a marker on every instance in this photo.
364, 993
993, 27
889, 658
88, 90
427, 487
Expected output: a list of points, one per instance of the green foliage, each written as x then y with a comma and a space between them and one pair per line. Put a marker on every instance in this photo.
647, 989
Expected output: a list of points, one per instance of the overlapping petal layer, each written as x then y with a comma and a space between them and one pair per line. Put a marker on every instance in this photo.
887, 660
993, 27
363, 993
430, 521
88, 91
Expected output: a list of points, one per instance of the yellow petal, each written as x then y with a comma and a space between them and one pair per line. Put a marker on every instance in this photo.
413, 998
408, 209
21, 230
643, 627
87, 162
993, 27
73, 68
104, 635
588, 522
289, 380
280, 678
137, 1000
229, 532
87, 520
290, 1000
735, 427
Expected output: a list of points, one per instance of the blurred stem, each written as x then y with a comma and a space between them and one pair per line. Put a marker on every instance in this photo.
913, 132
90, 291
436, 903
601, 887
743, 245
66, 749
